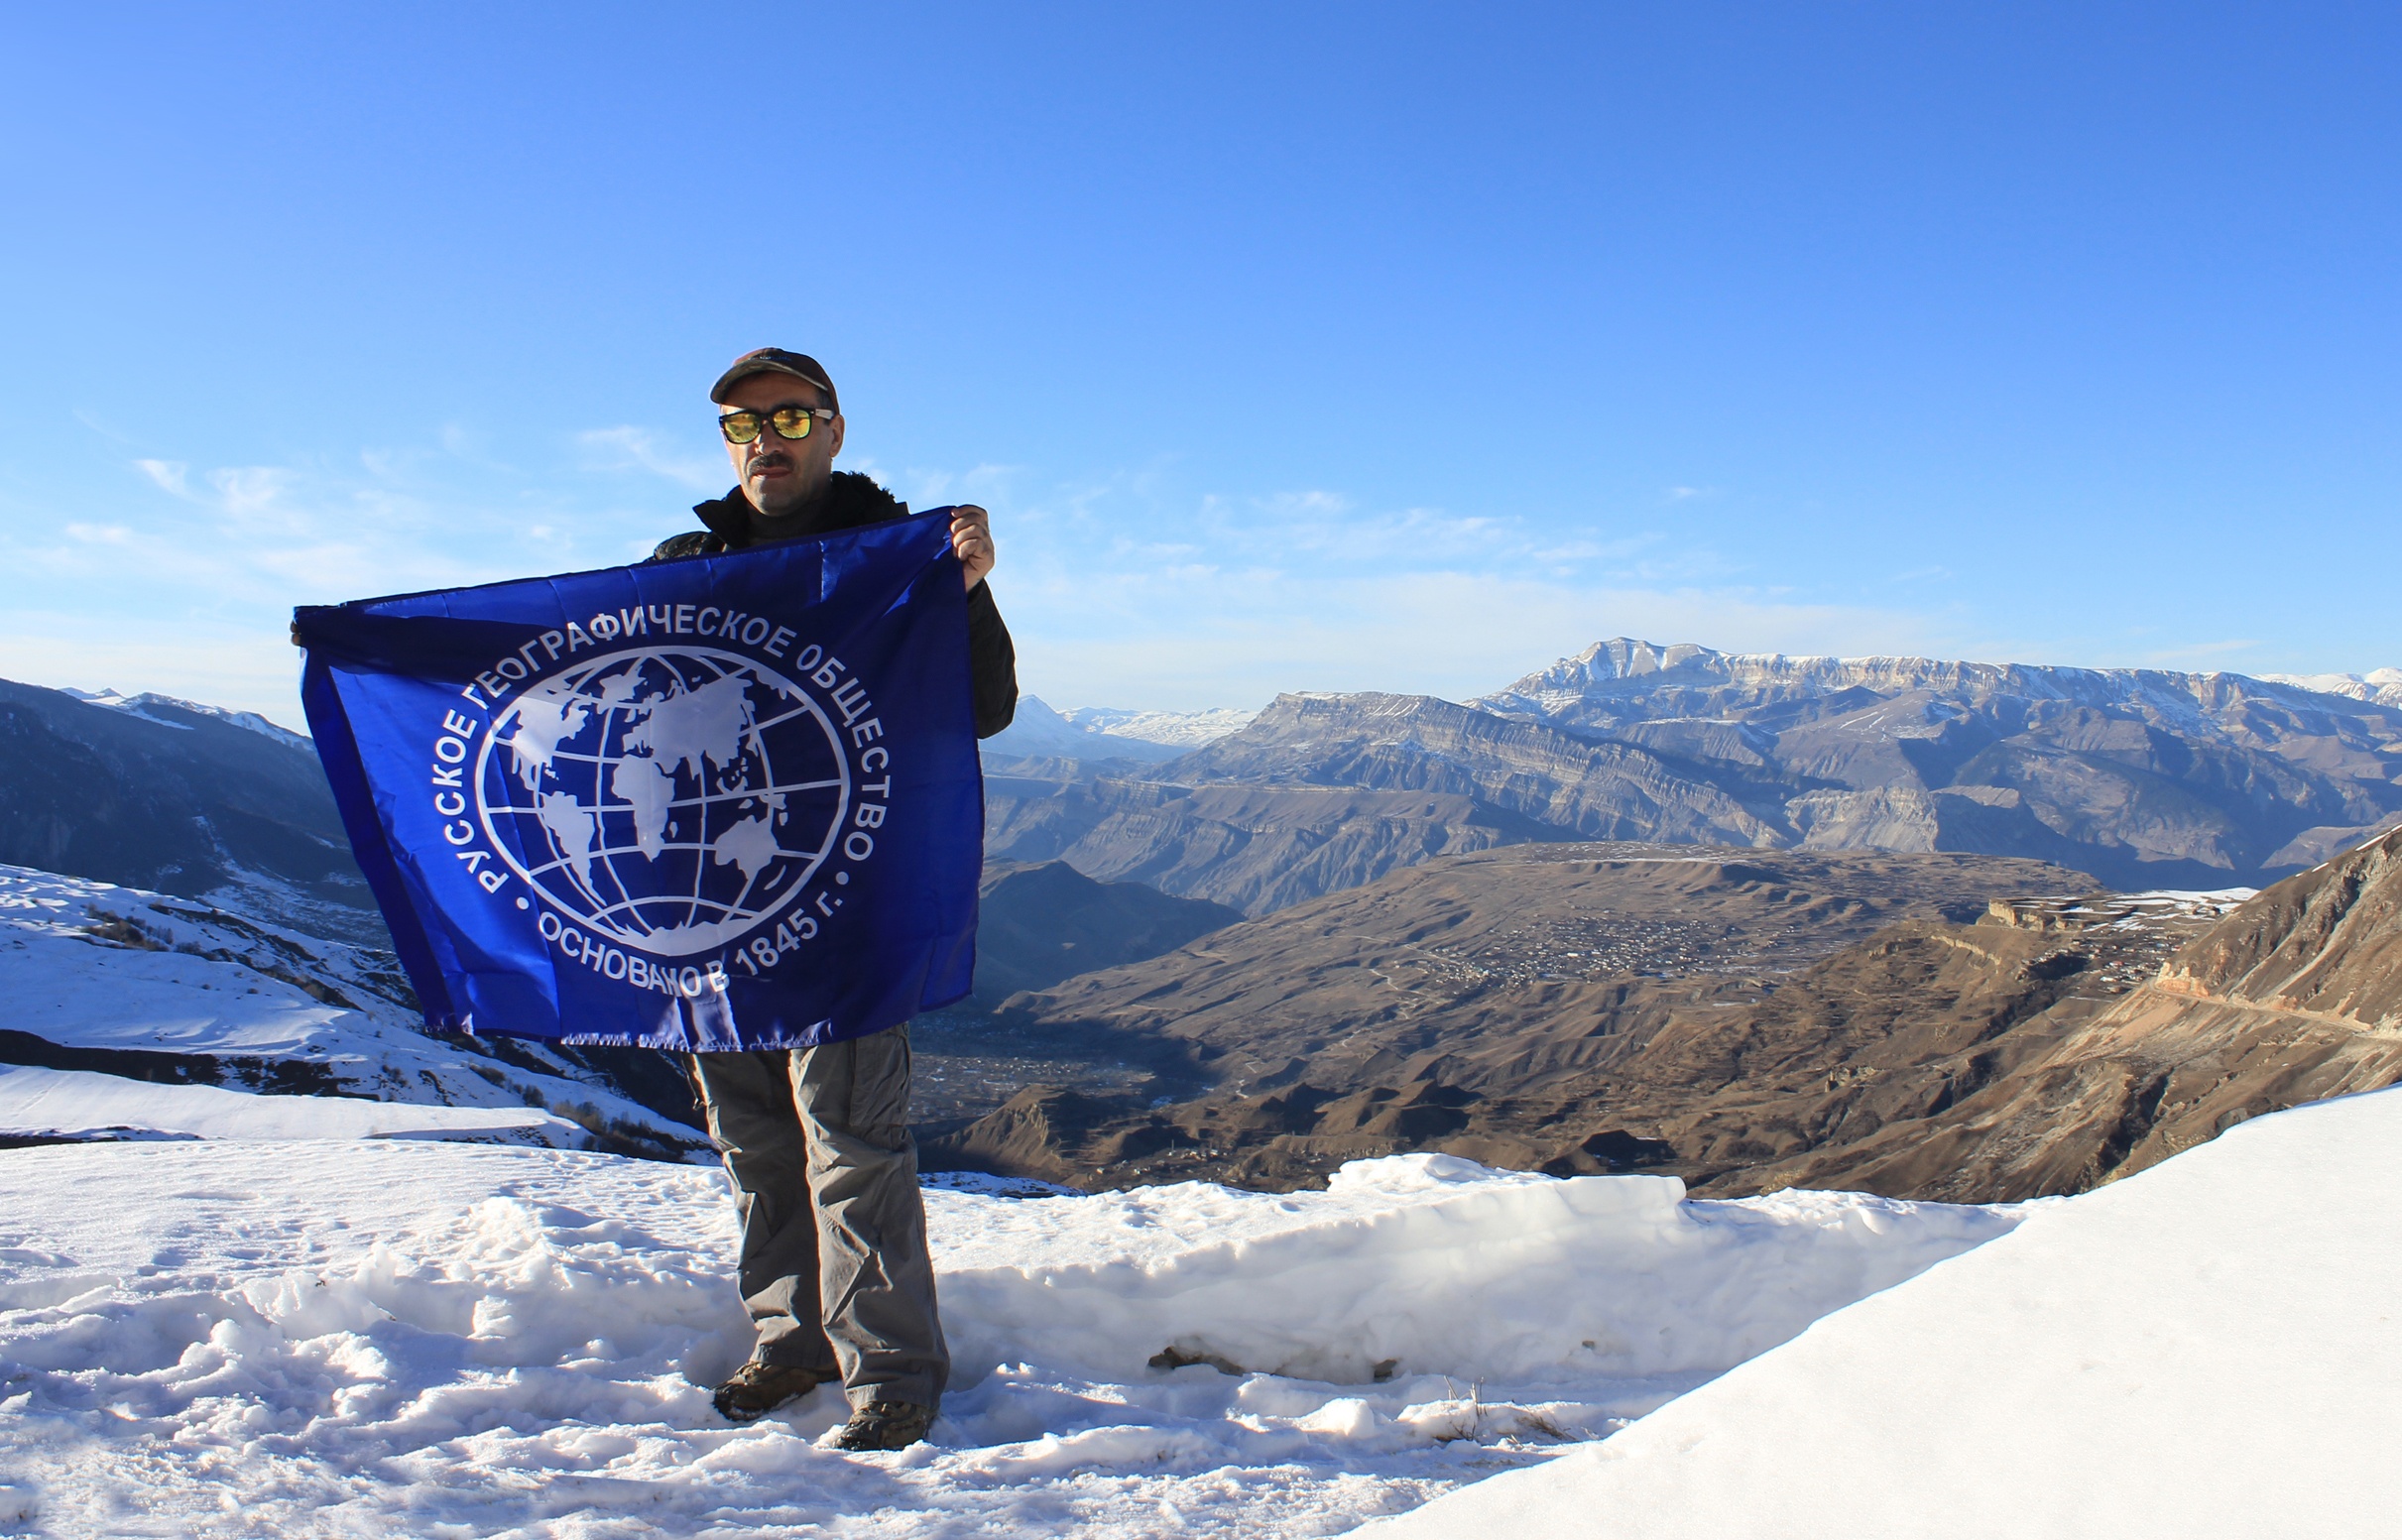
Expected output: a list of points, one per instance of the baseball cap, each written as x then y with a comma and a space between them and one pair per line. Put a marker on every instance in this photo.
775, 361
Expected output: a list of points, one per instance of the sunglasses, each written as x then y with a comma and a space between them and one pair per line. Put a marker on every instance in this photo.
740, 427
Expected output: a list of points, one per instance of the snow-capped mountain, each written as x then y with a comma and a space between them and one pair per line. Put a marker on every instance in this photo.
1039, 732
165, 709
2145, 779
1185, 729
2382, 685
1624, 680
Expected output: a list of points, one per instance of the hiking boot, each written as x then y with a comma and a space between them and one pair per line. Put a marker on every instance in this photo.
759, 1388
884, 1425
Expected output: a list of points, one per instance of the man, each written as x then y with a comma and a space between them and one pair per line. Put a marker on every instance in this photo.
834, 1266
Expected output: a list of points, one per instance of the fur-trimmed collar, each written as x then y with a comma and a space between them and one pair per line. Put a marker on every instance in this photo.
849, 500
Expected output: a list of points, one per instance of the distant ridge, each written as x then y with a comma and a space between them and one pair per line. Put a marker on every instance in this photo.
148, 705
1586, 677
2382, 685
2144, 778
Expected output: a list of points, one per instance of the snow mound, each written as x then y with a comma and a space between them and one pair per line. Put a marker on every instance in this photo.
1588, 1279
336, 1338
2207, 1348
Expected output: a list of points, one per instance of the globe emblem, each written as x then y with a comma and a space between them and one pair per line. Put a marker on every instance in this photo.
671, 799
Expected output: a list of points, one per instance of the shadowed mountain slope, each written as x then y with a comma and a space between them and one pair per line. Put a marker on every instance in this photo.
1041, 925
177, 799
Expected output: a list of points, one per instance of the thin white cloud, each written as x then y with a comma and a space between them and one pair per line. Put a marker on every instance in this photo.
1120, 590
169, 476
2200, 656
1188, 643
627, 448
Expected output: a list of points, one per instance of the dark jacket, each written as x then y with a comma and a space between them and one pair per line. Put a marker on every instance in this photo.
852, 500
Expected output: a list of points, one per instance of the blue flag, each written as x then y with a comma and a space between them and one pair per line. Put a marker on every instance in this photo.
721, 803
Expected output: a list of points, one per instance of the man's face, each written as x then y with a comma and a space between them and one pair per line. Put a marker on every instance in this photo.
779, 474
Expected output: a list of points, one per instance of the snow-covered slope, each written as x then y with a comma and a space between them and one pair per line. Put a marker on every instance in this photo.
112, 982
163, 709
1039, 732
182, 799
1105, 733
388, 1338
2382, 685
86, 1103
2209, 1348
1185, 729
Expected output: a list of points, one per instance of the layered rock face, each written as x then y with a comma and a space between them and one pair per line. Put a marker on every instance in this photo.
2144, 776
1255, 848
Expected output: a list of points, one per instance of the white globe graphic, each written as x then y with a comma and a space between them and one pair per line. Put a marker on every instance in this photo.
671, 799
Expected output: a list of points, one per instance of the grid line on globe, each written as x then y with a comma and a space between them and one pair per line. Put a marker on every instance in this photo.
671, 799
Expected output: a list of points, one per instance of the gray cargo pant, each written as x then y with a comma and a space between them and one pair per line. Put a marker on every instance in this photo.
834, 1267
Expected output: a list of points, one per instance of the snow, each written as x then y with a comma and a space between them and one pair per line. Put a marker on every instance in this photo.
86, 965
2209, 1348
79, 1103
346, 1338
1185, 729
1037, 733
140, 706
2382, 685
431, 1314
1104, 731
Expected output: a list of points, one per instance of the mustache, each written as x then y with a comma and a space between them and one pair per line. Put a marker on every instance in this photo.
771, 457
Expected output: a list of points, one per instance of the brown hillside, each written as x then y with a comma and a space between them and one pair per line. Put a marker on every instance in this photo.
1587, 1008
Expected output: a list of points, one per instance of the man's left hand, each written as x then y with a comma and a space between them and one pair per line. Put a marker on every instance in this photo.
972, 540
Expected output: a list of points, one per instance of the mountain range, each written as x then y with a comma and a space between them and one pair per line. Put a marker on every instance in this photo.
1746, 918
2145, 779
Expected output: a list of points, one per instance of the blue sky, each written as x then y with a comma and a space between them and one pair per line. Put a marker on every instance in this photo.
1318, 346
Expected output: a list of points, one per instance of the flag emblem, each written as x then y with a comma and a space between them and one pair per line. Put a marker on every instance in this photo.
671, 800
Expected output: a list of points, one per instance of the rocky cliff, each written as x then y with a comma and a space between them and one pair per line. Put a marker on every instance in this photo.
2294, 996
